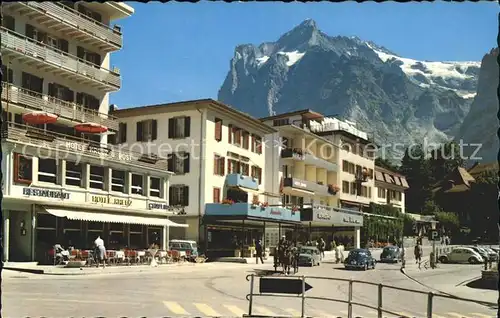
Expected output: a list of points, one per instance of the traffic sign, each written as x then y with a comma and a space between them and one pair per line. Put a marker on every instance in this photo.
282, 286
434, 235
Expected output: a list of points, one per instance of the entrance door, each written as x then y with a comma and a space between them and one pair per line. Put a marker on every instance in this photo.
155, 236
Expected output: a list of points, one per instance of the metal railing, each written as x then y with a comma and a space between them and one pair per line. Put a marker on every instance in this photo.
60, 59
349, 301
35, 101
79, 21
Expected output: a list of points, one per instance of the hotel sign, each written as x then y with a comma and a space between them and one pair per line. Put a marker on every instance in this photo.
46, 193
323, 216
158, 206
98, 151
108, 200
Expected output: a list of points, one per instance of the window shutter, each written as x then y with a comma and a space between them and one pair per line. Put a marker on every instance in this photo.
186, 196
216, 165
30, 31
63, 45
260, 175
139, 131
98, 59
52, 90
123, 132
187, 126
186, 162
80, 52
229, 134
218, 129
154, 129
70, 95
171, 195
252, 146
171, 128
222, 166
170, 162
259, 145
216, 195
229, 165
79, 98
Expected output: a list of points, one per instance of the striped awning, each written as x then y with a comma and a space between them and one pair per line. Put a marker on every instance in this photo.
111, 218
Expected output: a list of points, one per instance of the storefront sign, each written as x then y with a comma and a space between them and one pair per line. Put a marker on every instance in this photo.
275, 212
99, 151
350, 220
158, 206
347, 219
299, 184
44, 193
325, 216
108, 200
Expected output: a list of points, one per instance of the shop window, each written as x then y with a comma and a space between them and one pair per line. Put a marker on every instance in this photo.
95, 226
345, 187
73, 174
137, 184
136, 238
179, 195
155, 236
118, 181
45, 221
72, 224
47, 170
23, 169
155, 187
179, 127
97, 177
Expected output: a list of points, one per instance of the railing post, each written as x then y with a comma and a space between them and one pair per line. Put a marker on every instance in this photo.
303, 314
250, 301
349, 300
429, 304
379, 305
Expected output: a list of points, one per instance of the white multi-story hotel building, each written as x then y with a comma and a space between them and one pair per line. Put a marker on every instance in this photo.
326, 167
390, 188
218, 157
63, 183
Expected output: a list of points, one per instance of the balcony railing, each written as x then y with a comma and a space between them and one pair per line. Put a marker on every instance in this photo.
58, 60
58, 143
239, 180
309, 159
37, 102
73, 22
316, 188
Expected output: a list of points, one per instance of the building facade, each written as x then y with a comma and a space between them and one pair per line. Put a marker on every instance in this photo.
390, 188
63, 183
218, 157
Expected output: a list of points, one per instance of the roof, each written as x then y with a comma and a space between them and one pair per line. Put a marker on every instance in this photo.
191, 105
390, 177
458, 180
479, 168
294, 113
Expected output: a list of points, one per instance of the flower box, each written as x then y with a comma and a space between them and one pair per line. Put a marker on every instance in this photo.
227, 202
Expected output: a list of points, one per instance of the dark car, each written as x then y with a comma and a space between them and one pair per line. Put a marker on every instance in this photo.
390, 254
359, 259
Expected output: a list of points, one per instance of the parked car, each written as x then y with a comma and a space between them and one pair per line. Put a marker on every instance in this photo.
481, 251
390, 254
359, 259
492, 254
496, 249
185, 246
309, 256
462, 255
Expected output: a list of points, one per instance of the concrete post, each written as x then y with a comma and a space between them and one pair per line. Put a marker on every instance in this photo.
166, 234
62, 173
357, 237
6, 234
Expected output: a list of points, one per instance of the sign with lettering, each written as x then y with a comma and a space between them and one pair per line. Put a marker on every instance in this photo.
346, 219
98, 151
158, 206
275, 212
108, 200
324, 216
46, 193
299, 184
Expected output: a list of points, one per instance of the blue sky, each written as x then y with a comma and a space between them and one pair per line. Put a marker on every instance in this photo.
181, 51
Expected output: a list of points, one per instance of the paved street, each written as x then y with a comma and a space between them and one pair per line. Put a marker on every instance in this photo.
216, 289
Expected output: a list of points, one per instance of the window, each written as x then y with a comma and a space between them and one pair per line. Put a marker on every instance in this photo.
147, 130
88, 101
47, 170
230, 133
216, 194
178, 162
369, 192
358, 169
245, 143
353, 188
364, 191
97, 177
23, 169
258, 144
218, 129
118, 181
233, 166
33, 84
245, 169
35, 34
370, 173
257, 173
219, 165
381, 193
345, 166
179, 195
58, 44
10, 74
89, 13
137, 184
73, 174
155, 187
61, 92
179, 127
351, 168
345, 187
88, 56
9, 22
281, 122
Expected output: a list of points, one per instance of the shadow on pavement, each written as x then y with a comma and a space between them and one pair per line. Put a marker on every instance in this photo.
483, 284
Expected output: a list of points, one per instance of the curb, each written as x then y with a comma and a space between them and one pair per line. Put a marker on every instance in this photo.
25, 270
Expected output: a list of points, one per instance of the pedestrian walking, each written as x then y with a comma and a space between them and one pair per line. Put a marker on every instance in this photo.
321, 248
258, 252
418, 254
100, 252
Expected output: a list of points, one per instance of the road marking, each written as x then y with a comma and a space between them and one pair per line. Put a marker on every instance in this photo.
207, 310
293, 312
235, 310
175, 308
475, 314
264, 311
455, 315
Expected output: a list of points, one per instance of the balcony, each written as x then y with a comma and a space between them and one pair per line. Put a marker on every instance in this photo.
308, 159
16, 46
249, 211
65, 146
239, 180
72, 23
33, 101
302, 187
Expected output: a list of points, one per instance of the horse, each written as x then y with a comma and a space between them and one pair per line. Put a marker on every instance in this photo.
286, 260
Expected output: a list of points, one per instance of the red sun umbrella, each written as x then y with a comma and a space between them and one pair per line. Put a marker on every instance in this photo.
39, 118
91, 128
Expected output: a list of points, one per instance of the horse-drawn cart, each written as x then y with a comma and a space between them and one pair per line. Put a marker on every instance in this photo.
286, 258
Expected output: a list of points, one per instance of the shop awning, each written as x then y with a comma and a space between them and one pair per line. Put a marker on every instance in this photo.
248, 190
111, 218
